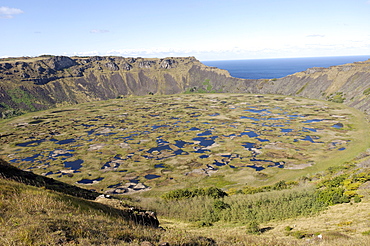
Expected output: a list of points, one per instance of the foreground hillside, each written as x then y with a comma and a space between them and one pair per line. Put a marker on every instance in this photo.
35, 216
38, 216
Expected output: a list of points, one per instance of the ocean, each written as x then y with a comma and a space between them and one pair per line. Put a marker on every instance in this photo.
279, 67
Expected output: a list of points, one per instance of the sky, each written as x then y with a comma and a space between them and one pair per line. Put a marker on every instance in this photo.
206, 29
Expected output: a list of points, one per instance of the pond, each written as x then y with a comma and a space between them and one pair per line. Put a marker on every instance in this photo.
89, 181
73, 165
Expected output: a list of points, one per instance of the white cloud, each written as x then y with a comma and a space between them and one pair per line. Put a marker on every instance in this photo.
315, 36
84, 53
98, 31
275, 48
8, 13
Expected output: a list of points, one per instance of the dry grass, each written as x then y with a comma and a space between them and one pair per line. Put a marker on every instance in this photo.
339, 225
35, 216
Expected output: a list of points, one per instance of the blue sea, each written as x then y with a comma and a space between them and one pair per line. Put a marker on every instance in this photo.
279, 67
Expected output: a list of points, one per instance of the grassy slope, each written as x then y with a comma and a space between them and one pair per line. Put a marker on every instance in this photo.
34, 216
344, 224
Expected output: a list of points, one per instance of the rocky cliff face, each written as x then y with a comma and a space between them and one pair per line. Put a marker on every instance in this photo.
30, 84
348, 84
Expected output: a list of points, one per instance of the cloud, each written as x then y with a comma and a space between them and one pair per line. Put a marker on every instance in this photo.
315, 36
8, 13
98, 31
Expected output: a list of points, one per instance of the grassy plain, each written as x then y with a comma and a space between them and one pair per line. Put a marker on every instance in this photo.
192, 140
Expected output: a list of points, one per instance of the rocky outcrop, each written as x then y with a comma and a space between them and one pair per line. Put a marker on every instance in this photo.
30, 84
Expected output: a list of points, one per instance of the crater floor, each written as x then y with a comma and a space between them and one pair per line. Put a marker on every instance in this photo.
135, 144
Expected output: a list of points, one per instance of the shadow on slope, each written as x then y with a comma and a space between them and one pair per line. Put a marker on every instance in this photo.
8, 171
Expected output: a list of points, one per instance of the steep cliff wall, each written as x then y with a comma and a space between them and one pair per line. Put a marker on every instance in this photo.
30, 84
348, 84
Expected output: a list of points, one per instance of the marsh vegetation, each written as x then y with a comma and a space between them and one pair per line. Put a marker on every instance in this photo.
192, 140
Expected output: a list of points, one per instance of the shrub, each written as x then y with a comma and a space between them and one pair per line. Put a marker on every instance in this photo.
333, 182
338, 97
253, 227
241, 208
367, 91
281, 185
298, 234
288, 228
220, 205
357, 199
331, 196
204, 224
213, 192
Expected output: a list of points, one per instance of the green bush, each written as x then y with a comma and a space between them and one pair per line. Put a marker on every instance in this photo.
331, 196
298, 234
288, 228
253, 227
204, 224
220, 205
357, 199
281, 185
338, 97
333, 182
213, 192
367, 91
241, 208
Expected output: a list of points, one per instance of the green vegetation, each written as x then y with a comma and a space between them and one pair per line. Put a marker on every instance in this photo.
207, 88
302, 89
163, 140
337, 97
262, 207
281, 185
253, 227
367, 92
341, 188
19, 96
188, 193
